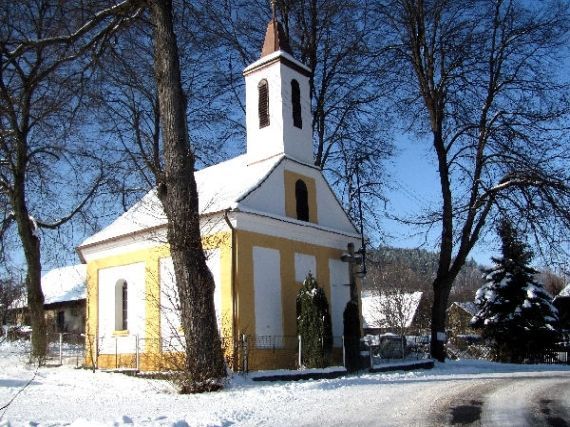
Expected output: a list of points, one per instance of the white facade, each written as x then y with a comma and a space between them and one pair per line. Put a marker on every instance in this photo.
269, 198
111, 338
305, 264
340, 294
170, 327
267, 288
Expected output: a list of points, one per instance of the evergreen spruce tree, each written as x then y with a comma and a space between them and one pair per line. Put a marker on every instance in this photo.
515, 312
314, 324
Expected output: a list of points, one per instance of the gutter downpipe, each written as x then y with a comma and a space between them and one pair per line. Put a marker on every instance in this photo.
233, 288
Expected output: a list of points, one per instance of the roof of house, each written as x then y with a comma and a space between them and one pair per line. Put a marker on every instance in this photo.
60, 285
65, 284
376, 307
469, 307
220, 187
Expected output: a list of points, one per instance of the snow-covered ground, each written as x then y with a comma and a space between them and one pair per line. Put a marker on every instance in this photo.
484, 391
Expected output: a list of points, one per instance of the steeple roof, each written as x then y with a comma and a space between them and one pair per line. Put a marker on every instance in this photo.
275, 39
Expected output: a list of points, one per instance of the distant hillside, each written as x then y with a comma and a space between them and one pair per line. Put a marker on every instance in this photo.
415, 269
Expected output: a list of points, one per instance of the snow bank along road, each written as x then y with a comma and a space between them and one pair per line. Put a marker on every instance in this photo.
454, 393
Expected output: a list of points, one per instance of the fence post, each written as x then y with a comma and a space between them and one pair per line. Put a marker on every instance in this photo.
300, 351
76, 345
60, 348
98, 342
245, 353
137, 354
343, 353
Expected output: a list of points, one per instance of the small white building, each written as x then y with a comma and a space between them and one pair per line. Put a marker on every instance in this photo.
394, 311
65, 294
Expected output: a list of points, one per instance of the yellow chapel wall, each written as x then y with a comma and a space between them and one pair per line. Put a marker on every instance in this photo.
280, 357
151, 355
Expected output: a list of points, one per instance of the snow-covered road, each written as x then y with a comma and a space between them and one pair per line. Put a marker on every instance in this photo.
533, 399
461, 393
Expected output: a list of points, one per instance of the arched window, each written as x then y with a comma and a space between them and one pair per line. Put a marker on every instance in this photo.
302, 200
121, 305
263, 103
296, 101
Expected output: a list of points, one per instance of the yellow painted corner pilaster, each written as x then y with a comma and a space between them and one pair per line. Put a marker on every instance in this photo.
244, 283
91, 315
227, 312
289, 290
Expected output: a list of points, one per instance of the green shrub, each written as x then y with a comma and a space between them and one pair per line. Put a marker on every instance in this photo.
314, 324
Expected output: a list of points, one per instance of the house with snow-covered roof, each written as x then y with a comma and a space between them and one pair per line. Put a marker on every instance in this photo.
64, 292
393, 311
459, 315
268, 218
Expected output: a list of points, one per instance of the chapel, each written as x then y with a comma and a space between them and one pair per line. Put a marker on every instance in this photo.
268, 219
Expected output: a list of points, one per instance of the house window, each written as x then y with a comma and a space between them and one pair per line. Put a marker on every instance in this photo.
302, 200
296, 100
121, 305
263, 103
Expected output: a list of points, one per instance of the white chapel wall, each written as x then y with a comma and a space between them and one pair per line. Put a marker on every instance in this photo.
305, 264
270, 197
134, 275
170, 327
267, 292
340, 294
297, 142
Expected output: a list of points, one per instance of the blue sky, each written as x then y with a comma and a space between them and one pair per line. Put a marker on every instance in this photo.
414, 185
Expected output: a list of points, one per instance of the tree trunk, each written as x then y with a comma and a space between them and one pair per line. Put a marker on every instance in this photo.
36, 300
178, 194
441, 290
31, 245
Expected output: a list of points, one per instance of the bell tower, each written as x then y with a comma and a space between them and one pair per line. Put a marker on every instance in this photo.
278, 102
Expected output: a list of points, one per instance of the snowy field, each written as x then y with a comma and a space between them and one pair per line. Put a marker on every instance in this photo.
482, 393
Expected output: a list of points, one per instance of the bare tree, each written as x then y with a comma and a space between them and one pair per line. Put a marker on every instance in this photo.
146, 105
179, 196
553, 281
396, 282
126, 101
11, 290
47, 175
479, 79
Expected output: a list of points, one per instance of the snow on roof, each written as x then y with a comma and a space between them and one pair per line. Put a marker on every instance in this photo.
65, 284
469, 307
565, 292
220, 187
61, 285
381, 310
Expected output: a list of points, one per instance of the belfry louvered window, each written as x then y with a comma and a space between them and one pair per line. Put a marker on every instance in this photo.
296, 104
263, 103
